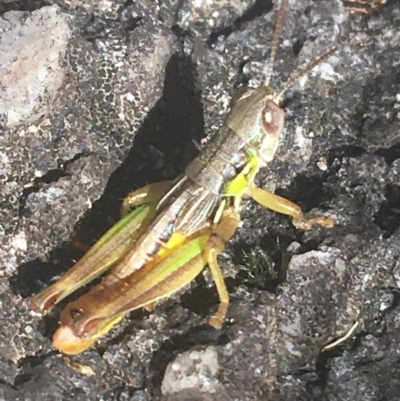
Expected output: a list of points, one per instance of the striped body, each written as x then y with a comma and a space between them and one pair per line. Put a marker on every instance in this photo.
190, 206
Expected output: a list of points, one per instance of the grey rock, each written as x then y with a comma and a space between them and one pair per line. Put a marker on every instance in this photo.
133, 91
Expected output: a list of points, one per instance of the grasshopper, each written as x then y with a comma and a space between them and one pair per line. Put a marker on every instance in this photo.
171, 230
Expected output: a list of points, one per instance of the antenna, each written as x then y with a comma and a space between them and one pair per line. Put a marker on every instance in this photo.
303, 72
268, 70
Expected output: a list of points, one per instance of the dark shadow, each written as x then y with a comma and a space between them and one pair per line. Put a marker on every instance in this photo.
388, 216
22, 5
307, 191
390, 154
259, 8
203, 300
162, 148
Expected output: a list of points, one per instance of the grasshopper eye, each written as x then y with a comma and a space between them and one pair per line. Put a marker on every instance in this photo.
272, 118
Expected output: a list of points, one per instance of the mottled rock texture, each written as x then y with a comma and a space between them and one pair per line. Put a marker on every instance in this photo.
101, 97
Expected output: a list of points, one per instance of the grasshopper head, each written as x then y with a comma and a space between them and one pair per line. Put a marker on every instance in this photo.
256, 117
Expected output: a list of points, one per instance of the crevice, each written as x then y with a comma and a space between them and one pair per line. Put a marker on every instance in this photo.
36, 186
308, 192
51, 176
345, 152
389, 154
128, 16
298, 45
322, 370
24, 5
27, 367
32, 361
258, 9
388, 216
